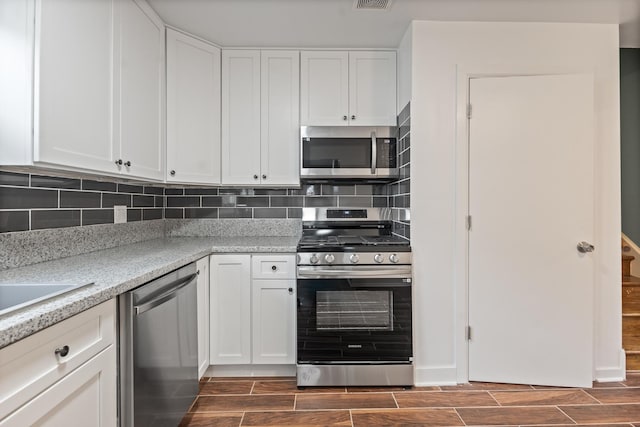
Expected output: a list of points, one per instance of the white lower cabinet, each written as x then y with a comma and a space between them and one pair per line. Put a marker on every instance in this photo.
203, 314
230, 310
65, 374
252, 309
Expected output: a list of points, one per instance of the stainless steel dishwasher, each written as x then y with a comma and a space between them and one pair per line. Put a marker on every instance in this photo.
158, 350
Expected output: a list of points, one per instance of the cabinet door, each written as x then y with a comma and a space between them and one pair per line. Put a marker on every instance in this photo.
73, 85
324, 90
193, 110
274, 307
140, 48
203, 315
86, 397
230, 309
280, 128
372, 88
240, 117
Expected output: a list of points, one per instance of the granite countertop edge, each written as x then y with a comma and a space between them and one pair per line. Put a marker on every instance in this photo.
115, 271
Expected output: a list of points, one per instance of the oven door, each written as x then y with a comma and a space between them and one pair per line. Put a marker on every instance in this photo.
352, 315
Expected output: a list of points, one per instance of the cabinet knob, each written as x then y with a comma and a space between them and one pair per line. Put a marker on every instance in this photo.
127, 163
344, 117
353, 117
119, 162
255, 176
290, 291
274, 268
172, 173
264, 176
62, 351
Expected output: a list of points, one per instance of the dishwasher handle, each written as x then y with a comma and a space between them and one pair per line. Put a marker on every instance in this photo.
167, 296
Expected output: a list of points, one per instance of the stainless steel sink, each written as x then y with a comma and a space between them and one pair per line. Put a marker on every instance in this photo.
14, 297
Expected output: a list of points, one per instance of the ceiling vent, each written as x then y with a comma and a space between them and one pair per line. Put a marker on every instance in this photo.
372, 4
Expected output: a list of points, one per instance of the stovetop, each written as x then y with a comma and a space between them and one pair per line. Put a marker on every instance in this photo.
353, 242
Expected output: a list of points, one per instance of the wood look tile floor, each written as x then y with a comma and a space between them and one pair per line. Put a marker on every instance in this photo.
236, 402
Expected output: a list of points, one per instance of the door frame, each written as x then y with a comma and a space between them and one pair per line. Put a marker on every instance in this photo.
464, 75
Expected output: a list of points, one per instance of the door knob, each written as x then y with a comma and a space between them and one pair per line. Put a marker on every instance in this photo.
584, 247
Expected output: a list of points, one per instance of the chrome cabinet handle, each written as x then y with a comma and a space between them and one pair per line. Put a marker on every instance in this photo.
255, 176
127, 163
264, 176
62, 351
585, 247
344, 117
172, 173
353, 117
290, 291
274, 268
119, 162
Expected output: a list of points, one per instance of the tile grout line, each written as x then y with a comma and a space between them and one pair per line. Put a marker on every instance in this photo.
591, 396
565, 414
350, 416
494, 398
393, 394
459, 416
242, 418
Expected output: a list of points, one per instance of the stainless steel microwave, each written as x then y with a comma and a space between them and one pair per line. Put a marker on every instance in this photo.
348, 153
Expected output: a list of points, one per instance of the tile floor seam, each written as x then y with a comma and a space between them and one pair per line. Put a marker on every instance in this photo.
253, 384
591, 396
241, 419
295, 401
565, 414
395, 400
350, 416
494, 398
459, 416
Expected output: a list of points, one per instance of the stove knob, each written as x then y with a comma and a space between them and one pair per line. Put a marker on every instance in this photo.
314, 259
378, 258
329, 258
394, 258
354, 258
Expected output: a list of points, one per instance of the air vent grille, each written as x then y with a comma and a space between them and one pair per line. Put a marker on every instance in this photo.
372, 4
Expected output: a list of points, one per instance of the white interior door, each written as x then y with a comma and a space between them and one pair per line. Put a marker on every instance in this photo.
531, 179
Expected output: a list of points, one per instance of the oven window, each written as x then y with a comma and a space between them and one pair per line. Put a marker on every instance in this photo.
354, 310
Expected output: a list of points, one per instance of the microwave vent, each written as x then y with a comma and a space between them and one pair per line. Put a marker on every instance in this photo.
372, 4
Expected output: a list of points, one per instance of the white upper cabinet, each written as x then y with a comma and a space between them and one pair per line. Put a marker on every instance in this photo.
140, 95
372, 88
260, 127
279, 118
73, 87
324, 88
240, 117
193, 110
356, 88
98, 75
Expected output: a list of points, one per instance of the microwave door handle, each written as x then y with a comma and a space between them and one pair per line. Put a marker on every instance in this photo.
374, 153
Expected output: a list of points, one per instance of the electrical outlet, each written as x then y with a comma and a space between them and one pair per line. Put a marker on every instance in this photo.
119, 214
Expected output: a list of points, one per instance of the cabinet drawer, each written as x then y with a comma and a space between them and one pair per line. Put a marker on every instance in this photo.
31, 365
273, 266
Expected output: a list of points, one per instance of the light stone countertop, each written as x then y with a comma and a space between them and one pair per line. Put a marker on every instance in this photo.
115, 271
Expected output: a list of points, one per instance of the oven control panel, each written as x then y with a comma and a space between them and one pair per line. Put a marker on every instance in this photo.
354, 258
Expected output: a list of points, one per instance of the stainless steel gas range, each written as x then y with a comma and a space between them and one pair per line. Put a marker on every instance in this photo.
354, 300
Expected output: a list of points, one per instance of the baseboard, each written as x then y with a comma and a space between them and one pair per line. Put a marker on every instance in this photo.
251, 371
611, 374
442, 375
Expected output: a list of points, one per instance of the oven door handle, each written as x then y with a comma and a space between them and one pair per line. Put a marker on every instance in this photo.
392, 272
374, 153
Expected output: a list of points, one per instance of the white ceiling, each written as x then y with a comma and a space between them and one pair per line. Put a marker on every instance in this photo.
336, 24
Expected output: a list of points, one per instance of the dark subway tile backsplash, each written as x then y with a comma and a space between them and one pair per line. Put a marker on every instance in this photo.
54, 219
30, 202
27, 198
14, 221
55, 182
11, 178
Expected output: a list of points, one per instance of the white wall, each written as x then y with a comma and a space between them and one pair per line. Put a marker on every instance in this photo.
441, 55
404, 70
